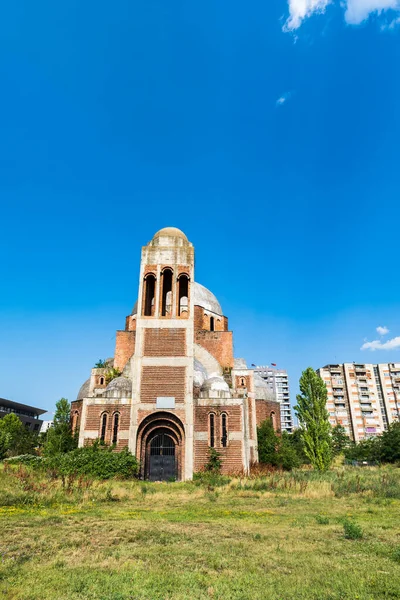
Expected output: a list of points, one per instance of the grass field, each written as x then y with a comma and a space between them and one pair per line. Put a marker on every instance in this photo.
281, 536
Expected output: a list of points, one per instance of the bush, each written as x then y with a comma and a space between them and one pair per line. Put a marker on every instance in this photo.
94, 461
274, 450
352, 530
214, 461
30, 460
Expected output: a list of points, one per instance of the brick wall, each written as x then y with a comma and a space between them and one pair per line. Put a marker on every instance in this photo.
93, 420
264, 408
124, 348
217, 343
165, 342
162, 381
202, 320
231, 456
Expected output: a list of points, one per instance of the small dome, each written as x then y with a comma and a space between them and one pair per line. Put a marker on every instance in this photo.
84, 391
259, 381
215, 383
170, 232
206, 299
120, 383
200, 373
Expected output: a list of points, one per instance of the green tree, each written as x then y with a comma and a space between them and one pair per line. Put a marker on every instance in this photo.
59, 438
389, 446
340, 440
314, 420
275, 450
15, 438
101, 364
267, 441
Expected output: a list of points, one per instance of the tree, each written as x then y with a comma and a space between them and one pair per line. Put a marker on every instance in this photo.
60, 437
267, 441
314, 420
15, 438
275, 450
340, 440
63, 412
101, 364
389, 447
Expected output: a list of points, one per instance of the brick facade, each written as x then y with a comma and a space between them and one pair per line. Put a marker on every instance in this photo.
164, 342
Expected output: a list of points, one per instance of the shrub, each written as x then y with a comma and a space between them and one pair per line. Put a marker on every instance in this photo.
95, 461
30, 460
322, 520
396, 554
214, 461
352, 530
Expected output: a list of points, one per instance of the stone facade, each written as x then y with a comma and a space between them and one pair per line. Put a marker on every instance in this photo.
180, 391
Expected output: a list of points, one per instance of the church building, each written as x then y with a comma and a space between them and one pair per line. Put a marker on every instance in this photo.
177, 388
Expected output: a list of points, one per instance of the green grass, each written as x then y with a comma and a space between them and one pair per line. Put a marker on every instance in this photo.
281, 536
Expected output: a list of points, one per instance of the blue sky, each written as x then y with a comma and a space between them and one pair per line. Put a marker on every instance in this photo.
268, 132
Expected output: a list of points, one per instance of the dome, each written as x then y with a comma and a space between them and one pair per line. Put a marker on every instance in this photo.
199, 374
121, 384
84, 391
215, 383
263, 392
170, 232
206, 299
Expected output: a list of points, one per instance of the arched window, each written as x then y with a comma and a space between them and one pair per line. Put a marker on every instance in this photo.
183, 302
212, 429
272, 416
115, 428
75, 419
211, 323
243, 381
224, 430
103, 427
101, 380
149, 295
166, 301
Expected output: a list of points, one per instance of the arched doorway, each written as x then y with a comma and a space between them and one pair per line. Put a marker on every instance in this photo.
160, 446
161, 457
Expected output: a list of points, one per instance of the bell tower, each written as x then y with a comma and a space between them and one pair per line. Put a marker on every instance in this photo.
161, 367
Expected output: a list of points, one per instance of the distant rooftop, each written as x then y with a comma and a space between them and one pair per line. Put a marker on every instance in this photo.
17, 407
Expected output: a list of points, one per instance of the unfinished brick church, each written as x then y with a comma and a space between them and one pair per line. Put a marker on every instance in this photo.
181, 390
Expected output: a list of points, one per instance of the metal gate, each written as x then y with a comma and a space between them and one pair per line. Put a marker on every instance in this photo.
162, 458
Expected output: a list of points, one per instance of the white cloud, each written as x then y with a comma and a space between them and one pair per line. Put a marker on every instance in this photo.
301, 9
284, 98
393, 344
356, 11
382, 330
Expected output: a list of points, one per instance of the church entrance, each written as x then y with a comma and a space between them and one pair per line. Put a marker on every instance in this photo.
161, 458
160, 444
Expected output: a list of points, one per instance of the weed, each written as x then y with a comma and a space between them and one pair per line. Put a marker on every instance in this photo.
352, 530
322, 520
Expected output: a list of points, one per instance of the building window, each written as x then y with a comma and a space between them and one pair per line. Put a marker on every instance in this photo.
101, 380
149, 295
273, 419
166, 300
211, 323
75, 418
183, 295
243, 381
224, 430
212, 429
103, 427
115, 428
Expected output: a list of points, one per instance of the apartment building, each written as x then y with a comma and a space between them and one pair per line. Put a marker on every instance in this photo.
363, 398
278, 383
